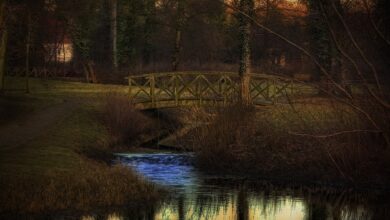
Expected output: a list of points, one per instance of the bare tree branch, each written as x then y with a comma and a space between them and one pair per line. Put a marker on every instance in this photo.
379, 33
304, 51
353, 62
356, 45
334, 134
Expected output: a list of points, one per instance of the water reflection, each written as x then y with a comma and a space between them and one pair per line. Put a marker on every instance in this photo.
199, 196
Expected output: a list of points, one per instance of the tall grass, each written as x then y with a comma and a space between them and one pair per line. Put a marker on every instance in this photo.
90, 187
125, 123
312, 140
222, 143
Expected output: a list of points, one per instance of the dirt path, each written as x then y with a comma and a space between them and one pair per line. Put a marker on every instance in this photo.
17, 134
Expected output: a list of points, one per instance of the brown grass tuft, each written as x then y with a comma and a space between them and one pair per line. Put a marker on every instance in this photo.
321, 140
92, 187
125, 123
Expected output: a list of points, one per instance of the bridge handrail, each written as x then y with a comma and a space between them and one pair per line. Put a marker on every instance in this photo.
155, 88
209, 73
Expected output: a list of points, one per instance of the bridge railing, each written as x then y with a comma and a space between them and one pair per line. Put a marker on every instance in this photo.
210, 87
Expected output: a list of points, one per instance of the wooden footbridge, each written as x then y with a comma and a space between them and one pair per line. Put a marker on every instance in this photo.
164, 90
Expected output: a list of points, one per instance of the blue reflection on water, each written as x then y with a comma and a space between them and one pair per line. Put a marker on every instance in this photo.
197, 196
167, 169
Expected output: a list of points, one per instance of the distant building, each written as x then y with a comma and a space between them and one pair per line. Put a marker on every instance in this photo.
58, 44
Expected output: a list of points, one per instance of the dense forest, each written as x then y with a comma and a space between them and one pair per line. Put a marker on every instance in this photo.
71, 37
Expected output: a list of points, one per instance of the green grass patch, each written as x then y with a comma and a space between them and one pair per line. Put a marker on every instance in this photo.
58, 147
57, 170
60, 89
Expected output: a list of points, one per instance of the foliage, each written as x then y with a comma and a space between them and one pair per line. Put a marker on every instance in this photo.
86, 21
132, 19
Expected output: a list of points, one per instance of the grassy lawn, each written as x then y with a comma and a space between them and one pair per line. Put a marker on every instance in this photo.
58, 147
72, 132
58, 88
56, 154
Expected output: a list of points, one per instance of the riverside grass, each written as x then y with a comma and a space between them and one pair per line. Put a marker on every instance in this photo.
55, 171
91, 187
291, 142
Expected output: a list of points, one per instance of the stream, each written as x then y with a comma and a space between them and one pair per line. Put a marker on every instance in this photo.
196, 195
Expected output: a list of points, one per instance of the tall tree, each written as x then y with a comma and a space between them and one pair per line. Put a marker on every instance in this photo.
335, 63
84, 26
3, 43
320, 42
28, 48
150, 20
246, 7
113, 28
180, 21
339, 68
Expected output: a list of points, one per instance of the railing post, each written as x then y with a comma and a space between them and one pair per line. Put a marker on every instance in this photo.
130, 86
200, 92
268, 84
224, 89
152, 90
274, 90
292, 89
197, 89
176, 90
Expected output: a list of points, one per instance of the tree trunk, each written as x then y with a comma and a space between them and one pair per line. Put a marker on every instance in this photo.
150, 12
28, 45
265, 55
246, 6
89, 71
340, 71
3, 44
180, 20
242, 204
320, 42
114, 35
